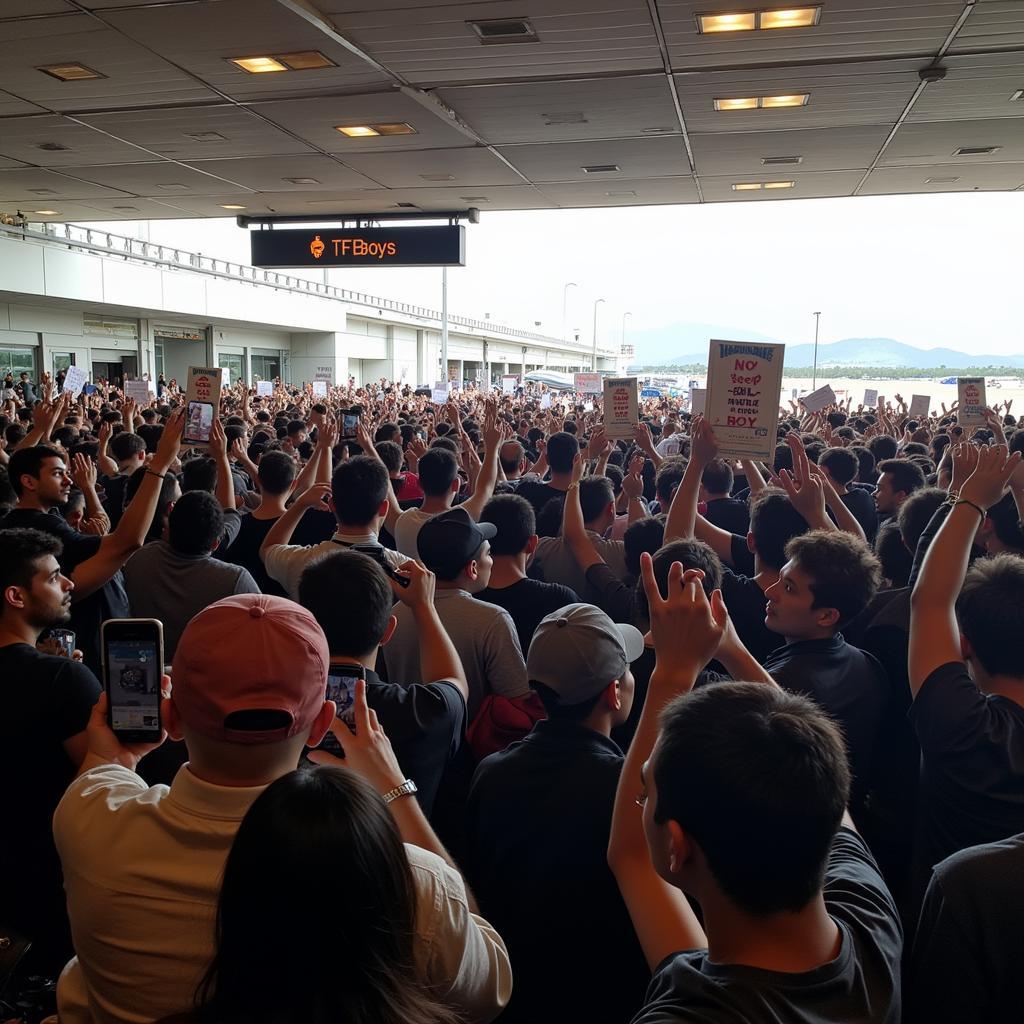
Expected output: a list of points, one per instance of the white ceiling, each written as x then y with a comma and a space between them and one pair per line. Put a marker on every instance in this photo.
629, 84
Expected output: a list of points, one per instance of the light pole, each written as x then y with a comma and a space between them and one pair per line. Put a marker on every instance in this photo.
624, 315
565, 299
814, 372
593, 360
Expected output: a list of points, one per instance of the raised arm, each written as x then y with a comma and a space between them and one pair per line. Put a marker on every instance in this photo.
365, 442
642, 436
682, 513
282, 530
573, 530
806, 491
934, 632
225, 492
83, 473
488, 475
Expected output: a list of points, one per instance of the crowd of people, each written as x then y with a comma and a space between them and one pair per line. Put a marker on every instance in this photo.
635, 732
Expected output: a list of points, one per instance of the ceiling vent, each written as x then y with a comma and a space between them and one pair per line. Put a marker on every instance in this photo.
570, 117
505, 30
53, 147
781, 161
977, 150
600, 168
407, 206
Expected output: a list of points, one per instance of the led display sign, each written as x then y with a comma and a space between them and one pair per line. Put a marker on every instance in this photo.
430, 246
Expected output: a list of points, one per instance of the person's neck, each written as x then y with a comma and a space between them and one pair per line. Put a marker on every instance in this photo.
434, 503
358, 531
271, 506
17, 631
507, 570
791, 943
560, 481
764, 575
600, 722
461, 583
597, 526
128, 467
29, 500
814, 634
841, 489
716, 497
263, 776
368, 661
1010, 687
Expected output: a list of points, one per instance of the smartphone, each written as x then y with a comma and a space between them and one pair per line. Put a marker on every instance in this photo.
198, 423
349, 422
376, 552
58, 641
132, 653
341, 688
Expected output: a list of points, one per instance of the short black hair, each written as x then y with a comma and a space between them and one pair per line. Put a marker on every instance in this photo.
359, 487
845, 574
195, 524
562, 449
199, 474
437, 469
882, 447
991, 614
296, 427
596, 494
647, 534
354, 582
866, 472
691, 554
916, 513
841, 463
1006, 522
20, 551
717, 477
773, 778
150, 433
896, 560
516, 522
668, 478
774, 523
907, 476
29, 462
390, 454
124, 446
276, 473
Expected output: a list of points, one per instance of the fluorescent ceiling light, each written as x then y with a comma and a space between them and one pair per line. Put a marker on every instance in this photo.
72, 72
977, 150
231, 206
566, 117
171, 186
747, 186
940, 181
742, 22
600, 168
258, 65
438, 177
624, 193
47, 213
208, 137
780, 161
792, 17
475, 199
363, 131
779, 184
795, 100
302, 181
745, 103
356, 131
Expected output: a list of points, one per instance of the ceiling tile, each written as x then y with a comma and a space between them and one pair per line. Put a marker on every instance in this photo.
16, 185
472, 166
23, 137
635, 158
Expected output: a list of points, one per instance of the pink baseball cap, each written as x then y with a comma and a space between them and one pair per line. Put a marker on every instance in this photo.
255, 653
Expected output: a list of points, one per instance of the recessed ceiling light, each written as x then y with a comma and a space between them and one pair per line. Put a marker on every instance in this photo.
171, 186
620, 195
125, 208
600, 168
407, 206
438, 177
394, 128
231, 206
977, 150
305, 60
780, 161
207, 136
569, 117
69, 72
1018, 95
940, 181
356, 131
744, 103
747, 186
258, 65
47, 213
43, 191
53, 147
792, 17
504, 30
302, 181
475, 199
779, 184
742, 22
795, 100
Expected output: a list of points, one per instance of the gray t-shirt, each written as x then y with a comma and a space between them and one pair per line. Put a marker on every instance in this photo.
484, 636
164, 584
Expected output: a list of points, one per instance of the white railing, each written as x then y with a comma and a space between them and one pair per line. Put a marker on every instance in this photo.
76, 236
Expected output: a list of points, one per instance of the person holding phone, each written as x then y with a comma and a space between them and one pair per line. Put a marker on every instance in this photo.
45, 702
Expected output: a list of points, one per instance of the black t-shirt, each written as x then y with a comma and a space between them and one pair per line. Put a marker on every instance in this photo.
860, 984
539, 817
969, 946
746, 603
44, 700
113, 497
109, 602
538, 493
246, 552
729, 514
615, 597
861, 504
972, 755
847, 683
528, 601
740, 555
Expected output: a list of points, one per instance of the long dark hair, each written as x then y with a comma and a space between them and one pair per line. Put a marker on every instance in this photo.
317, 912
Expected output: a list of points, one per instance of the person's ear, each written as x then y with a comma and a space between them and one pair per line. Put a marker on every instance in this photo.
14, 596
170, 718
382, 509
531, 546
321, 723
389, 630
216, 544
613, 695
751, 547
680, 848
472, 571
828, 618
965, 648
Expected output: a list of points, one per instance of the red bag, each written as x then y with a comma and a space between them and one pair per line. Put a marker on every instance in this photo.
501, 721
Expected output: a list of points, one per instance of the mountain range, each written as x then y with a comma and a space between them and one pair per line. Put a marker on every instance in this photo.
684, 343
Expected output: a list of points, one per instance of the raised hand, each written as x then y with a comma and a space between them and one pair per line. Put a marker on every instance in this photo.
805, 491
965, 460
83, 472
995, 465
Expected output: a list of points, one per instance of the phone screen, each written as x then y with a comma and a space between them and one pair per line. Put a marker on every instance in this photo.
199, 422
132, 669
350, 421
341, 688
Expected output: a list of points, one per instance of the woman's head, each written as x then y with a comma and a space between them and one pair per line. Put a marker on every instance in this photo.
317, 909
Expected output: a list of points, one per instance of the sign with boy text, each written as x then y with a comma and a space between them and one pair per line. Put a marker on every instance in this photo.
621, 407
744, 383
971, 393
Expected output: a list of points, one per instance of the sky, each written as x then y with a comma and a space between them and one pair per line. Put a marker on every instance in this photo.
940, 270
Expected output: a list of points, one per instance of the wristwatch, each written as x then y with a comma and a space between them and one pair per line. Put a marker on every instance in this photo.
407, 788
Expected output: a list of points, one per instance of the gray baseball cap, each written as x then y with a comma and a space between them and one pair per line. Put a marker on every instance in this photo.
577, 651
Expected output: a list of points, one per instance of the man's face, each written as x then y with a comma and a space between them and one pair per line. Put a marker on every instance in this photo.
48, 599
789, 612
888, 500
54, 483
484, 564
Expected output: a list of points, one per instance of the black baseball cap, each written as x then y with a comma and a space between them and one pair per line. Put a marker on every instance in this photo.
447, 542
